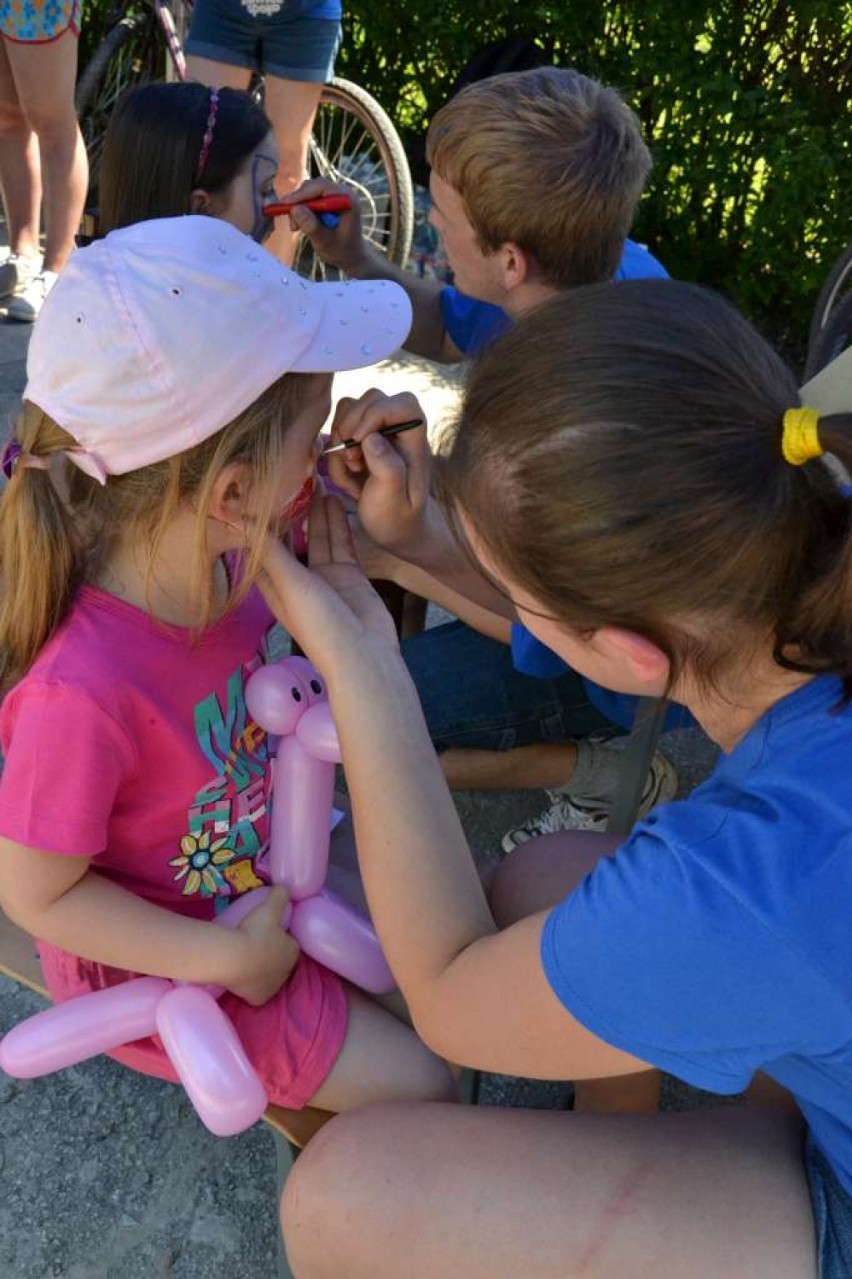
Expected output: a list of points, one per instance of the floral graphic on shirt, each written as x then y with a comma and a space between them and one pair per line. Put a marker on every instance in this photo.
228, 818
200, 861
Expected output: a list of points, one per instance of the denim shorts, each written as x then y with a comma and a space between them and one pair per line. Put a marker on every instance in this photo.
832, 1209
472, 696
279, 39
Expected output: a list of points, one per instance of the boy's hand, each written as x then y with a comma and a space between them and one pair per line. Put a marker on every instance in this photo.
268, 953
389, 478
341, 246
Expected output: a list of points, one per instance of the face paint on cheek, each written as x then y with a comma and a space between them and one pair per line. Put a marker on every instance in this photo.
263, 226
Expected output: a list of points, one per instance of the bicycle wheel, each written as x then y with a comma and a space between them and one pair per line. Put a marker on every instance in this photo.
131, 53
833, 297
355, 144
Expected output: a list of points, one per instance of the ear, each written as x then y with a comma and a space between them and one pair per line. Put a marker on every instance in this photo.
516, 265
200, 202
229, 497
640, 657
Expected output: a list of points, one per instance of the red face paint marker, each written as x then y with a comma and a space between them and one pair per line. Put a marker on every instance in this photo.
324, 206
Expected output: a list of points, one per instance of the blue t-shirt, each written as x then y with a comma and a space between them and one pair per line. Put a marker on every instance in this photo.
718, 940
472, 325
531, 657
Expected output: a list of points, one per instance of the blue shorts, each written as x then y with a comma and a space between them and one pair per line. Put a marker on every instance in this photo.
472, 695
832, 1209
282, 39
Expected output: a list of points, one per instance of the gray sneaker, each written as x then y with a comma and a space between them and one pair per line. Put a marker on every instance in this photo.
27, 302
17, 270
567, 813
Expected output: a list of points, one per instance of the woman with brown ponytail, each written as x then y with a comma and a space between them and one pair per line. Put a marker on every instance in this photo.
634, 469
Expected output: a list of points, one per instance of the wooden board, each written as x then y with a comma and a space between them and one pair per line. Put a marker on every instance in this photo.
18, 958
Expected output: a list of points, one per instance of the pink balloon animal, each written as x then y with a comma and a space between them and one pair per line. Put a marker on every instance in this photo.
288, 700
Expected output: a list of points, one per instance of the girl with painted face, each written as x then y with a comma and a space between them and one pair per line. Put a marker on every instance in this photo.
178, 377
184, 148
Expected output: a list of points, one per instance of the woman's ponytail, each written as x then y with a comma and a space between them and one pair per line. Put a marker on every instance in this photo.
817, 626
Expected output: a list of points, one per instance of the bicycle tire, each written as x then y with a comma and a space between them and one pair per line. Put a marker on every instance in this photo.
376, 170
131, 53
832, 339
838, 281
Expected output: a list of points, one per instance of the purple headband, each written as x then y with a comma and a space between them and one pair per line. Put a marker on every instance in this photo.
207, 140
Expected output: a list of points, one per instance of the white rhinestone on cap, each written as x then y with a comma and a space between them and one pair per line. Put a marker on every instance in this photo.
367, 350
285, 279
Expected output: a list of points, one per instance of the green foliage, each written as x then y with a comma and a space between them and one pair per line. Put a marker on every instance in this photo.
745, 104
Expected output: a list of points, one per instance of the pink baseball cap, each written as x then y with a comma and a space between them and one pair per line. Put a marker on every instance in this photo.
157, 336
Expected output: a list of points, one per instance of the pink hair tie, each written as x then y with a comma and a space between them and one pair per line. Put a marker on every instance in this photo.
207, 140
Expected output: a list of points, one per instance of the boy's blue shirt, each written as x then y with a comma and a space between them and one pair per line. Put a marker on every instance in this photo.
717, 941
473, 325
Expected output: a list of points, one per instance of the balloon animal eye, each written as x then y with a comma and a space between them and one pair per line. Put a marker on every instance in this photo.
316, 686
297, 696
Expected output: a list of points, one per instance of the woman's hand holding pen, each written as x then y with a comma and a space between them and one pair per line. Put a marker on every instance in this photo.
388, 477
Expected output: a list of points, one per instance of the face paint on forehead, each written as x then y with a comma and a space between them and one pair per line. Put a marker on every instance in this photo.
263, 226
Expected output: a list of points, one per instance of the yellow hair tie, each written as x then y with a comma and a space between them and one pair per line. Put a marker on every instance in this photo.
800, 436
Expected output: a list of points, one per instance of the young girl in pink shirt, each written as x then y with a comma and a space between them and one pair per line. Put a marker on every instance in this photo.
177, 380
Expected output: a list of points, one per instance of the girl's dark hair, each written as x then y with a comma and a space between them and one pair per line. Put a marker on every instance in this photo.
618, 455
153, 144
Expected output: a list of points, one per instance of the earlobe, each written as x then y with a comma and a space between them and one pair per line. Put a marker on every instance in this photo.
648, 664
516, 265
228, 496
199, 202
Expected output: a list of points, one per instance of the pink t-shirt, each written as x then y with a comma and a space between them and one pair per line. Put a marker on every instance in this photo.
129, 742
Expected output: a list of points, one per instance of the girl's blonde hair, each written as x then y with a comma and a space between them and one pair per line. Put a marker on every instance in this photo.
57, 526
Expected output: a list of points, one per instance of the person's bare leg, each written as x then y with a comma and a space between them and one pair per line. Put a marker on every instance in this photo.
44, 78
20, 175
429, 1190
291, 106
219, 75
536, 877
381, 1059
531, 767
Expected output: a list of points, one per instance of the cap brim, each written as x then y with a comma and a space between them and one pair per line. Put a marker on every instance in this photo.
362, 321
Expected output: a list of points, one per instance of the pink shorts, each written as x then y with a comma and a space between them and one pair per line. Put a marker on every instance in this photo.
292, 1041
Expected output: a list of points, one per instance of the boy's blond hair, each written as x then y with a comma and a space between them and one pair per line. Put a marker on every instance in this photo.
546, 159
